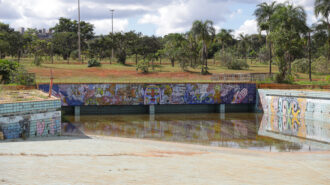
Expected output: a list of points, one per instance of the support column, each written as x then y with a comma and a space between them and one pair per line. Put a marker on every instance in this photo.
222, 111
76, 113
151, 109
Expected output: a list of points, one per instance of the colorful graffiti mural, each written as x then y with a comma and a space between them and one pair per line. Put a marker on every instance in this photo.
307, 128
296, 113
41, 124
146, 94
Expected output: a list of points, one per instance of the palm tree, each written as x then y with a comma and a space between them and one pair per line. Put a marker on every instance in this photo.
205, 32
244, 43
288, 24
322, 7
264, 13
224, 37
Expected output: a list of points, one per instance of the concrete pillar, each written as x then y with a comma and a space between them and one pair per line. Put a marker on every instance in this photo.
222, 111
151, 118
77, 113
151, 109
222, 108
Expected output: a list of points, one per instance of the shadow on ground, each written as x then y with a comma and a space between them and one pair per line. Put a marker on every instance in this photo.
69, 132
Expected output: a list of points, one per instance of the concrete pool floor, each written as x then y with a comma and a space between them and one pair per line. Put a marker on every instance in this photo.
112, 160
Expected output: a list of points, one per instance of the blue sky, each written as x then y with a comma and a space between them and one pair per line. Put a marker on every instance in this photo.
151, 17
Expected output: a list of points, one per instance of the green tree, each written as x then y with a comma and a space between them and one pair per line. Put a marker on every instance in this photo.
68, 29
244, 45
39, 49
173, 42
264, 14
205, 33
64, 44
225, 38
288, 23
322, 7
134, 43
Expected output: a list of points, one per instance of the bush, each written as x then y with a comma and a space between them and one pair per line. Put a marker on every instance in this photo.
74, 55
327, 78
321, 65
300, 65
224, 58
263, 54
288, 79
37, 60
7, 68
143, 65
93, 63
22, 77
237, 64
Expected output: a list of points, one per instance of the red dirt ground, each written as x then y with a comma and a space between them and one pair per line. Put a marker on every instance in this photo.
95, 72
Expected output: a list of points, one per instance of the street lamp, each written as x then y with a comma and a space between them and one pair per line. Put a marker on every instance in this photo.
112, 11
79, 47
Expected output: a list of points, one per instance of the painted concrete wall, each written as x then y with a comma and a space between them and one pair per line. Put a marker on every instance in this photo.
148, 94
295, 104
303, 114
30, 119
31, 125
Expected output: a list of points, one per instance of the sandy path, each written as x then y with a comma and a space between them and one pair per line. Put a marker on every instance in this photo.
110, 160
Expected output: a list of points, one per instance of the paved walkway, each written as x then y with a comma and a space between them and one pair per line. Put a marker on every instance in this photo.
110, 160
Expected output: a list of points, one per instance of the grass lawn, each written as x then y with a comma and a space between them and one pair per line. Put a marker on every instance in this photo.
75, 72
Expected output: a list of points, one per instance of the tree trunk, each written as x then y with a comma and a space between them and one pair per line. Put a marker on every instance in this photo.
136, 59
172, 61
270, 57
152, 63
160, 60
19, 55
289, 64
309, 57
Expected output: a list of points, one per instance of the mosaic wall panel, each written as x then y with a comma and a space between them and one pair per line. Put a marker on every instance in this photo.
295, 104
146, 94
31, 125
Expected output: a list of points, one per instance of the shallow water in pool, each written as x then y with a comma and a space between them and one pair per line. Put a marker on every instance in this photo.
235, 130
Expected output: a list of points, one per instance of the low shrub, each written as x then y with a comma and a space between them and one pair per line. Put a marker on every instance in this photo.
237, 64
94, 63
22, 77
74, 54
321, 65
37, 60
300, 65
7, 68
327, 78
288, 79
143, 65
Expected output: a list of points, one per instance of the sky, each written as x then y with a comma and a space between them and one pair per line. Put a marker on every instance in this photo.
150, 17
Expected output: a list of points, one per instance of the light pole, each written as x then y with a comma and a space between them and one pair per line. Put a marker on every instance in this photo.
112, 11
79, 49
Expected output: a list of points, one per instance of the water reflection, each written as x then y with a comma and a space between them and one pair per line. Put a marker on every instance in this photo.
229, 130
306, 132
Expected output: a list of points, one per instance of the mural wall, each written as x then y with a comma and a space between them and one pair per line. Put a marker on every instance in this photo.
293, 126
147, 94
31, 125
295, 104
305, 115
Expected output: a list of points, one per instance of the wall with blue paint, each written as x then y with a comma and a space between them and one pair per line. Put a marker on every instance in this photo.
30, 119
147, 94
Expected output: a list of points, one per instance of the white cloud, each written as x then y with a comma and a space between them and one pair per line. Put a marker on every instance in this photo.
235, 13
248, 27
179, 15
104, 26
166, 15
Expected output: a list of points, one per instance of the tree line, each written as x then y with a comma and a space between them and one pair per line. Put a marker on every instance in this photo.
288, 39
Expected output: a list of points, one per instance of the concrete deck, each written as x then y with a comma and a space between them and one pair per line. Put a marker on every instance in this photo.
110, 160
